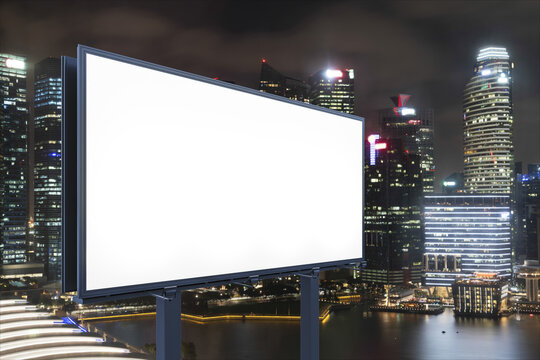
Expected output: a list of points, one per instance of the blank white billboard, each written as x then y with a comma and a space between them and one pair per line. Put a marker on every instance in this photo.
188, 179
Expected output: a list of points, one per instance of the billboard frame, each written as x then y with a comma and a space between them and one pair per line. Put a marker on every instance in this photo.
87, 296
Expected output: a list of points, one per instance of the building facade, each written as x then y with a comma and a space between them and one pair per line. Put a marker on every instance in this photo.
527, 210
333, 89
392, 213
488, 123
274, 82
415, 128
14, 247
465, 234
482, 295
48, 165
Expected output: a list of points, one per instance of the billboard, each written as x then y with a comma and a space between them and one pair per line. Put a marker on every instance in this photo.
185, 180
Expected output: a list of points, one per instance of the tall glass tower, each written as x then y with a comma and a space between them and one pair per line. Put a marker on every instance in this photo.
13, 160
392, 213
47, 165
415, 128
488, 122
333, 89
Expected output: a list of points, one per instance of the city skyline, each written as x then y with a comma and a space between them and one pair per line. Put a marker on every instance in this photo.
228, 42
376, 158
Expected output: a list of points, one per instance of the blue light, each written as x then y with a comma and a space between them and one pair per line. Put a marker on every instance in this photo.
54, 154
70, 321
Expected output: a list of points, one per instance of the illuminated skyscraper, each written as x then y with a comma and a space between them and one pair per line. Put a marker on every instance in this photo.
13, 160
466, 234
488, 122
415, 128
392, 213
333, 89
273, 82
47, 165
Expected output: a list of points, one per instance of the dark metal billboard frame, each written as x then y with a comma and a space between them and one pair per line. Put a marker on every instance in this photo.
167, 293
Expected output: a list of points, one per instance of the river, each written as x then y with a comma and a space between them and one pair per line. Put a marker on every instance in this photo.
354, 334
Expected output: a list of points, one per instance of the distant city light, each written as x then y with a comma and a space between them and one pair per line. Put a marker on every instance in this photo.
492, 52
449, 183
407, 111
502, 79
486, 72
380, 146
333, 73
351, 73
15, 64
414, 122
372, 151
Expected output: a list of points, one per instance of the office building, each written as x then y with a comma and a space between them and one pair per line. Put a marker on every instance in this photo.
13, 160
465, 234
392, 222
527, 210
483, 295
48, 165
333, 89
488, 123
415, 129
274, 82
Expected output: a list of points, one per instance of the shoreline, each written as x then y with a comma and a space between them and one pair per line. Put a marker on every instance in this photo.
201, 319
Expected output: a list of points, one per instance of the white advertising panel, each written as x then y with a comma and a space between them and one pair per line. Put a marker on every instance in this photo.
186, 178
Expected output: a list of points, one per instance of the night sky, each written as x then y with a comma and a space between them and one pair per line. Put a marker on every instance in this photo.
423, 48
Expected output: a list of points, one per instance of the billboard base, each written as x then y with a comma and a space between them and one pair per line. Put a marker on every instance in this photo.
309, 316
168, 326
169, 312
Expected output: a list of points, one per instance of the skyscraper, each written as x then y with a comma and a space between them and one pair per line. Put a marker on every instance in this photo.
466, 234
392, 209
527, 210
13, 160
415, 128
274, 82
488, 122
47, 165
333, 89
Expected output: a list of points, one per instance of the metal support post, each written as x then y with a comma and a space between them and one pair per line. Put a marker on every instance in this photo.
168, 328
309, 316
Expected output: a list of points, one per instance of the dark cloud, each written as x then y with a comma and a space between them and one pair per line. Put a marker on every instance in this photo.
423, 48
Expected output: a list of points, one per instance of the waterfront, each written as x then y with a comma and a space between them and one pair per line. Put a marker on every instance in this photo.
353, 334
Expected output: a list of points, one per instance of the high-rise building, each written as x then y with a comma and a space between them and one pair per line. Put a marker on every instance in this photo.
527, 210
415, 128
333, 89
13, 160
48, 165
274, 82
465, 234
488, 122
392, 213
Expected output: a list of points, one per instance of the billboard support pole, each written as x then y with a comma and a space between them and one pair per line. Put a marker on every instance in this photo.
168, 327
309, 316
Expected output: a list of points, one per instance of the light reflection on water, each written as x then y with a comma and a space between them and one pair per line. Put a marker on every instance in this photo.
355, 334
